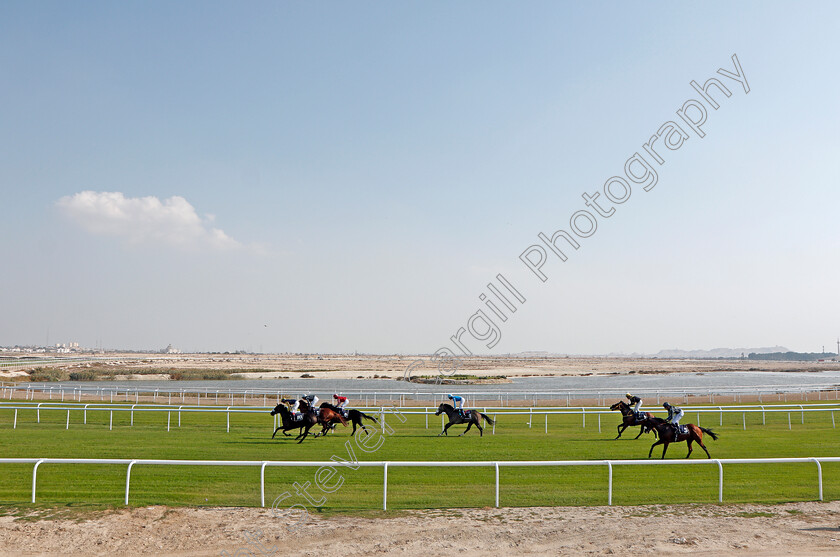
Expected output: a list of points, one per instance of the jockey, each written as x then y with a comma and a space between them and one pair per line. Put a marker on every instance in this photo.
341, 400
313, 402
295, 407
675, 413
636, 401
458, 402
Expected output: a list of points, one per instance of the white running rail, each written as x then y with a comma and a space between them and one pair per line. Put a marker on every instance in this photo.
497, 465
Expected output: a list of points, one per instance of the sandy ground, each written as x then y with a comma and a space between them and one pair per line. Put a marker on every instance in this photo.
791, 529
292, 366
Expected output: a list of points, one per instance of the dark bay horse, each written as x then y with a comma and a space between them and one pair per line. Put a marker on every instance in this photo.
666, 436
288, 422
355, 416
456, 418
630, 419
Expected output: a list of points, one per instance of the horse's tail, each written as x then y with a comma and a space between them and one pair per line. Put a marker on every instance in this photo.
709, 432
486, 417
363, 415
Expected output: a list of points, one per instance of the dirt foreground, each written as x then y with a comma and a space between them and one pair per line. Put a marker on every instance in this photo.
790, 529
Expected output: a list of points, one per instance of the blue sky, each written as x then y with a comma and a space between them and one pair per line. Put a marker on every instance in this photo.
288, 176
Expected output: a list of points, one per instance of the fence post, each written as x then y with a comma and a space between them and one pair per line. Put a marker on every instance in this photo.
228, 422
168, 418
39, 411
132, 414
609, 483
111, 422
546, 422
68, 420
262, 484
720, 481
34, 476
14, 426
86, 405
128, 480
495, 417
819, 477
497, 485
385, 489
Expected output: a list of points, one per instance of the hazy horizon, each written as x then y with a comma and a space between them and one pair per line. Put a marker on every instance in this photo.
388, 178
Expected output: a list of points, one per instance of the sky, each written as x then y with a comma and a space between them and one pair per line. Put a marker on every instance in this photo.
338, 177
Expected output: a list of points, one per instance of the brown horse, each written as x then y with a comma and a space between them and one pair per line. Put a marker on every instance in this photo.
631, 420
666, 436
328, 417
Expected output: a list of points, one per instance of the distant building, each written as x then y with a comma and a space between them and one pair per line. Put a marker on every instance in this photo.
170, 350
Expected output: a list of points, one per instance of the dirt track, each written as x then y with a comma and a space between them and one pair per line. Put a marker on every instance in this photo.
791, 529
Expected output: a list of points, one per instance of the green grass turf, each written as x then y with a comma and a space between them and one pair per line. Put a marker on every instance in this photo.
203, 436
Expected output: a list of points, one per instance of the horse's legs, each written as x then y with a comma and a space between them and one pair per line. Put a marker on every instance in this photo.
469, 425
444, 429
641, 430
305, 433
689, 441
354, 430
480, 430
665, 448
621, 428
700, 442
275, 432
652, 446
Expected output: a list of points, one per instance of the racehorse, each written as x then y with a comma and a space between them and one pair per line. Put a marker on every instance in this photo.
355, 416
328, 416
666, 436
630, 419
288, 422
455, 418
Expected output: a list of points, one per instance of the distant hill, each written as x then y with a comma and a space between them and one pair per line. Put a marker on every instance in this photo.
793, 356
719, 352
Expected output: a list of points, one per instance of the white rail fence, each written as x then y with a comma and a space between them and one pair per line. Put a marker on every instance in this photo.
382, 411
233, 396
497, 465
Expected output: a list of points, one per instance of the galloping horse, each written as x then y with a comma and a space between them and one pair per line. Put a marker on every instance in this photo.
355, 416
328, 416
288, 422
456, 418
666, 436
631, 420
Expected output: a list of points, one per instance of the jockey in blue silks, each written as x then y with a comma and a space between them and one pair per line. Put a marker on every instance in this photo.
458, 402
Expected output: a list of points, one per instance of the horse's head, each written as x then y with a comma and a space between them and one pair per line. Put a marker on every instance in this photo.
277, 409
442, 408
617, 405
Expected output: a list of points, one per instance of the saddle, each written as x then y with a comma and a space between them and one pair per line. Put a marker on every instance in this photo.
466, 414
680, 430
345, 413
640, 416
297, 417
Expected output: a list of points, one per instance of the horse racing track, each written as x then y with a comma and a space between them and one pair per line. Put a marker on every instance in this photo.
351, 489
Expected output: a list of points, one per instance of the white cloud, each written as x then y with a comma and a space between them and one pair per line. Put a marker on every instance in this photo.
145, 220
